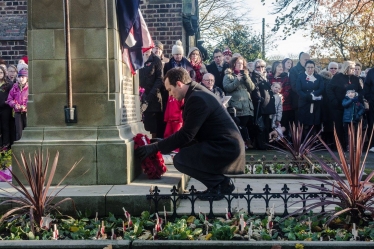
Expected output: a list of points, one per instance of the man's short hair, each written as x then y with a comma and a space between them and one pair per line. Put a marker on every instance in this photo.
217, 50
358, 64
178, 74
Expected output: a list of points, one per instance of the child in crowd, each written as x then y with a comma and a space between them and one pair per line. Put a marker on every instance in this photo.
277, 117
353, 111
173, 116
17, 99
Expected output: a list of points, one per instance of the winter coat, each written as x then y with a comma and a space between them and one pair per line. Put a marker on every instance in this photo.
278, 110
173, 110
184, 63
218, 76
264, 94
208, 123
294, 75
338, 87
353, 110
18, 96
308, 114
4, 93
286, 91
217, 91
369, 89
239, 92
328, 123
150, 78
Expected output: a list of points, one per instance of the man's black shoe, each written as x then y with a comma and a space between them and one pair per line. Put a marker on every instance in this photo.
224, 188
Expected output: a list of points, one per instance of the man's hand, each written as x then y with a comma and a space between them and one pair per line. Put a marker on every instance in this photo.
145, 151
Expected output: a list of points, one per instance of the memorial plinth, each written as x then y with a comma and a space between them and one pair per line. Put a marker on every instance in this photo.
104, 91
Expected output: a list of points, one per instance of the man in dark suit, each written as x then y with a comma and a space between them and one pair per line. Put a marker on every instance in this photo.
217, 68
210, 142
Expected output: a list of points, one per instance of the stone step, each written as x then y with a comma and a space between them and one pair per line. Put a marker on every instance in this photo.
111, 198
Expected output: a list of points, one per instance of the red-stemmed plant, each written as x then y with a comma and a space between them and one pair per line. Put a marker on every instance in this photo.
352, 194
35, 199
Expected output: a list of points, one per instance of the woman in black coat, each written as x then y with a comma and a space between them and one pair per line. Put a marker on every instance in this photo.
309, 87
263, 102
336, 90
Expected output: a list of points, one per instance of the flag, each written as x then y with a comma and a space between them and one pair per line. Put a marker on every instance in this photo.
134, 35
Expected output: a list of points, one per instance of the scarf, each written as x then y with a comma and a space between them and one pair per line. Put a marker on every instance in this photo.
310, 77
236, 71
196, 67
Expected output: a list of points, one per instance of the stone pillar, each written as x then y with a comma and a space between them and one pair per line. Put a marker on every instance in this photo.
105, 93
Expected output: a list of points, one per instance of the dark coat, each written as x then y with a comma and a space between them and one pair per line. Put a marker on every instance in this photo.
353, 110
216, 91
338, 87
294, 75
219, 143
264, 94
183, 63
369, 89
150, 78
304, 89
4, 93
218, 76
326, 112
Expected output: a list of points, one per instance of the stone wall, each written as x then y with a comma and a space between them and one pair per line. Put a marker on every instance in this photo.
13, 23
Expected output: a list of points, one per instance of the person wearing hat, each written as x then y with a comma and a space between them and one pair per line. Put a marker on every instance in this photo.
5, 111
227, 55
353, 111
158, 51
178, 60
17, 99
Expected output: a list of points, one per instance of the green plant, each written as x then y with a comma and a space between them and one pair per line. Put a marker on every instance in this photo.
352, 194
5, 159
36, 202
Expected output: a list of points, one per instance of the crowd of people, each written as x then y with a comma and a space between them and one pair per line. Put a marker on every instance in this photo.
14, 93
262, 100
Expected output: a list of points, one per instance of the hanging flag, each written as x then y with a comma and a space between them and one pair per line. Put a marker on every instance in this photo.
134, 35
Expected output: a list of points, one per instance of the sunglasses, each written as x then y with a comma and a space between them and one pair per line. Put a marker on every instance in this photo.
260, 66
333, 68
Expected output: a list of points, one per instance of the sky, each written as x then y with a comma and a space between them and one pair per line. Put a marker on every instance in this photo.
294, 44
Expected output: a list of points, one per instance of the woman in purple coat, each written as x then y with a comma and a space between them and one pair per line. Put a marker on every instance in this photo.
17, 99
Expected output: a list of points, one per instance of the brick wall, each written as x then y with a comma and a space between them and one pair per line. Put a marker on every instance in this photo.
164, 21
13, 23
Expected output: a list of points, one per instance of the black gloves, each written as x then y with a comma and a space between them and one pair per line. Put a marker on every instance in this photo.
157, 139
355, 99
145, 151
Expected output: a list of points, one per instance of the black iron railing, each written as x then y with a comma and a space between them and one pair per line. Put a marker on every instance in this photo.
285, 196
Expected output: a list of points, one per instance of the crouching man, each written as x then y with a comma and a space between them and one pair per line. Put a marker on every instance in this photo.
210, 142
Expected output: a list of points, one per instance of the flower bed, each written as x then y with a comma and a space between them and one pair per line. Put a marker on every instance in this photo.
240, 226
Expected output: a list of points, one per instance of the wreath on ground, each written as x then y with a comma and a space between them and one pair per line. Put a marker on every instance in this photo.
154, 165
